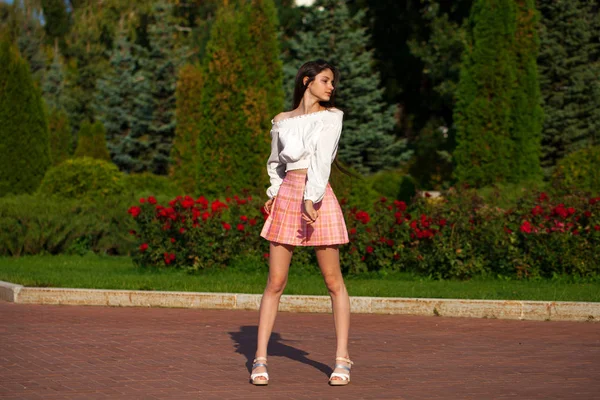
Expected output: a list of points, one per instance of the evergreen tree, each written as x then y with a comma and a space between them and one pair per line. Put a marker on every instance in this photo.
526, 109
56, 20
484, 95
23, 126
124, 105
99, 150
85, 141
189, 114
53, 86
569, 70
331, 33
20, 24
165, 58
60, 135
240, 94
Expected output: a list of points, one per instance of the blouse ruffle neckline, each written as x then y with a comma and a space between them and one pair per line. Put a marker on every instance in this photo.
297, 117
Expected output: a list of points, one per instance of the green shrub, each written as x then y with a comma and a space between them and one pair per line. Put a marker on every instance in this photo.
83, 178
32, 224
394, 184
580, 169
197, 234
149, 184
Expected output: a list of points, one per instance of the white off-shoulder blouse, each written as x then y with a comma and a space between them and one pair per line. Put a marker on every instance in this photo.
305, 141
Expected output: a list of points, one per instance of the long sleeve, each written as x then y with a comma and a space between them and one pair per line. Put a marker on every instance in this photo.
320, 162
275, 168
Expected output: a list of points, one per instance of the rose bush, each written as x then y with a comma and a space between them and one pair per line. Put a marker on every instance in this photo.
456, 236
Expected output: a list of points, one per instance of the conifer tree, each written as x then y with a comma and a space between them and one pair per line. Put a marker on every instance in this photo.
331, 33
99, 150
85, 140
188, 114
569, 71
240, 89
54, 83
60, 135
56, 20
484, 95
124, 105
164, 59
23, 126
526, 109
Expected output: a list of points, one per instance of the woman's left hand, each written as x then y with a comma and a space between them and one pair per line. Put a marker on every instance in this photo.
309, 214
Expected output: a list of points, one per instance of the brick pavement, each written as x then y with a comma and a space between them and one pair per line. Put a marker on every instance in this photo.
83, 352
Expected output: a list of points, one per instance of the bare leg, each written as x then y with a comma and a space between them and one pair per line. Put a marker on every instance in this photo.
280, 257
329, 263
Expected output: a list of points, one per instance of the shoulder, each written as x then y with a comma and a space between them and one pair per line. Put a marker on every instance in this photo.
281, 116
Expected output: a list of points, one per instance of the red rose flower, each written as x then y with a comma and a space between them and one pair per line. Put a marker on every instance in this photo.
252, 221
142, 200
152, 200
172, 240
353, 231
143, 247
244, 218
369, 249
526, 227
226, 226
240, 227
181, 230
134, 211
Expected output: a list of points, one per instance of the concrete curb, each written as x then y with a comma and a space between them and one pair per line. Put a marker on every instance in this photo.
503, 309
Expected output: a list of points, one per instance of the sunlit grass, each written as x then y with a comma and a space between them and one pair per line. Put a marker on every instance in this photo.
249, 276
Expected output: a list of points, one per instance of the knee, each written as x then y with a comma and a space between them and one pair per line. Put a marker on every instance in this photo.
335, 286
275, 286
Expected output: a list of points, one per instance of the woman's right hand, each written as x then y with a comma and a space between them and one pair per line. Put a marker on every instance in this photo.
269, 204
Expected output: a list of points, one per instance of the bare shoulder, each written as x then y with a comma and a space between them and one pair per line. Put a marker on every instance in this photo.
281, 116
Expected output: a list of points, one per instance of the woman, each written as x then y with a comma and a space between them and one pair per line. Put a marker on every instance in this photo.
302, 208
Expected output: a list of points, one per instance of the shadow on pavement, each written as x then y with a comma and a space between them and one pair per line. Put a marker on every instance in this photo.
245, 343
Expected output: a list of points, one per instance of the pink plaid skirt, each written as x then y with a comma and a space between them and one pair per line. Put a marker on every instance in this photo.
285, 223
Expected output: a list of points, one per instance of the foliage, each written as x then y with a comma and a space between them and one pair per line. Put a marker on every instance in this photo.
84, 177
91, 141
569, 71
329, 32
526, 110
239, 96
454, 236
188, 114
497, 115
196, 234
46, 225
23, 126
60, 136
164, 58
147, 183
580, 170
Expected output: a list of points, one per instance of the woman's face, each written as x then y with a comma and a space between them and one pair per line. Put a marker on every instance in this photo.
322, 86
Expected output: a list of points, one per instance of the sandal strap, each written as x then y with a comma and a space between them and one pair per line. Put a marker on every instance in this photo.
260, 359
256, 365
349, 361
342, 366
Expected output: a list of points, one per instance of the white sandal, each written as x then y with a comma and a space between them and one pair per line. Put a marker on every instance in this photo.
344, 376
253, 377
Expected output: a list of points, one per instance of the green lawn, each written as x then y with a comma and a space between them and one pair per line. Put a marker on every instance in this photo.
104, 272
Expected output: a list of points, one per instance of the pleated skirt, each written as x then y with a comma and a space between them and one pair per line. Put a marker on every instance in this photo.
285, 224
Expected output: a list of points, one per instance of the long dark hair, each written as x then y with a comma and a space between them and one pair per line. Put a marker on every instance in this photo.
311, 69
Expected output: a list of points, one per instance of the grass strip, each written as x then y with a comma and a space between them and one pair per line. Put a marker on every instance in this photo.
106, 272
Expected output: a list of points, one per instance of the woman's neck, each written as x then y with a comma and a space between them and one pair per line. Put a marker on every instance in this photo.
310, 106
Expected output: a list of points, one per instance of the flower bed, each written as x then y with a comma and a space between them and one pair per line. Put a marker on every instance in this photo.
456, 236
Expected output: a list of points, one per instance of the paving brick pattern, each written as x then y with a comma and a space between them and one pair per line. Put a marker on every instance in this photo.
83, 352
